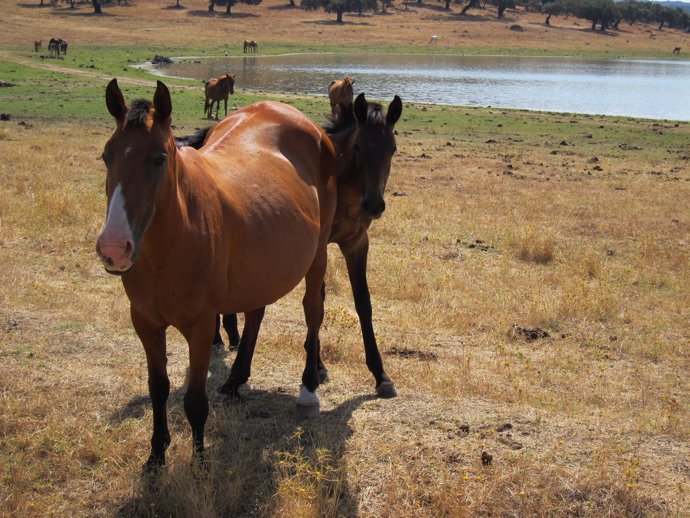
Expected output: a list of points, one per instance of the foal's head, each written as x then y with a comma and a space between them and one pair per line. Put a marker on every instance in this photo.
136, 157
369, 149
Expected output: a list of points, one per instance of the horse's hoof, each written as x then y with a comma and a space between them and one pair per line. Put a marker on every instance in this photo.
218, 347
307, 404
229, 389
154, 464
307, 412
386, 390
323, 376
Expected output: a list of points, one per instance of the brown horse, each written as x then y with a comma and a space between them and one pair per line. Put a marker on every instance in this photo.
229, 228
676, 51
364, 139
217, 90
250, 46
37, 45
340, 92
54, 46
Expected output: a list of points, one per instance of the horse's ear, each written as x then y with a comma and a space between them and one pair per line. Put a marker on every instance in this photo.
361, 108
162, 102
394, 111
115, 101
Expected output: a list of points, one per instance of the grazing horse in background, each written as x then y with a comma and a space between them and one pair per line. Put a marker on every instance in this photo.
217, 90
37, 45
54, 46
229, 228
364, 140
676, 51
63, 47
433, 40
340, 92
250, 46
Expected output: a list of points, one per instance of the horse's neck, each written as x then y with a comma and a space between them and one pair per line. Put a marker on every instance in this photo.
178, 195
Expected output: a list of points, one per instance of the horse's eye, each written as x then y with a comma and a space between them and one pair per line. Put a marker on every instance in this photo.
159, 160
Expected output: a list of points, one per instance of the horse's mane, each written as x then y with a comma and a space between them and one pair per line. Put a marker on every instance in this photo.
196, 140
138, 113
343, 121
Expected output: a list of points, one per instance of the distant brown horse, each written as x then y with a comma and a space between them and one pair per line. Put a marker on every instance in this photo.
365, 143
250, 46
676, 51
229, 228
37, 45
54, 46
340, 92
217, 90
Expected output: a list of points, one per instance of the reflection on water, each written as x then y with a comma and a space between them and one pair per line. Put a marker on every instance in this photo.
640, 88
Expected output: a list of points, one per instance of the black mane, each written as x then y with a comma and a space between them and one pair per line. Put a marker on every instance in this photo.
138, 113
343, 121
196, 140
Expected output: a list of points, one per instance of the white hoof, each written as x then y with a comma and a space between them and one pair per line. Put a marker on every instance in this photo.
307, 403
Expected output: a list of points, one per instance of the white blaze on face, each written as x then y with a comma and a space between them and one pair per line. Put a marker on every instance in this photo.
116, 244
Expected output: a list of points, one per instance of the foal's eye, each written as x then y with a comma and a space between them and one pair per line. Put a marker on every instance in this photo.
159, 160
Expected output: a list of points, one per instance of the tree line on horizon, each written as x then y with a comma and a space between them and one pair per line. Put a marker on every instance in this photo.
607, 14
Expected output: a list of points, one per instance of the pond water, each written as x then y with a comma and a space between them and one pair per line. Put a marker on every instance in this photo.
638, 88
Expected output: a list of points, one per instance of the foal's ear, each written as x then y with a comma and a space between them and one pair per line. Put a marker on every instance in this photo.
115, 101
394, 111
162, 102
361, 108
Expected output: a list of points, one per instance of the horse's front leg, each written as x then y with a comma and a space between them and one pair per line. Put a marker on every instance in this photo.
199, 335
226, 106
308, 403
356, 253
153, 340
241, 368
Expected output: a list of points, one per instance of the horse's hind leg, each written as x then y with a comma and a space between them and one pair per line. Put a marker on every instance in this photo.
154, 344
241, 368
356, 259
307, 402
230, 326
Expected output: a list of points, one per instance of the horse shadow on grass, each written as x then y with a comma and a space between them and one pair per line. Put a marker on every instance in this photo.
259, 456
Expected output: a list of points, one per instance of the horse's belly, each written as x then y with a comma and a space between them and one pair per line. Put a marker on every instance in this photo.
269, 265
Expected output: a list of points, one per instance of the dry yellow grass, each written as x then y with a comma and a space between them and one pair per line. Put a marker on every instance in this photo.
592, 421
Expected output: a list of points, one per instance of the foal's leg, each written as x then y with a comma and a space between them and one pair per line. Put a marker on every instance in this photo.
355, 253
307, 402
230, 326
226, 106
241, 368
153, 340
199, 335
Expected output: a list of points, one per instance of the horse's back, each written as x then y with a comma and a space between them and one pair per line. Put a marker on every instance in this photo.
270, 132
272, 167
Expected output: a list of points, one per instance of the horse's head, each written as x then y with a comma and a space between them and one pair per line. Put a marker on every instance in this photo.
231, 83
136, 157
373, 146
